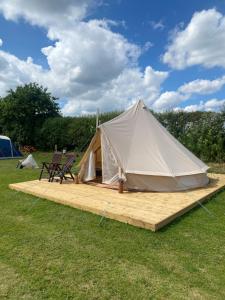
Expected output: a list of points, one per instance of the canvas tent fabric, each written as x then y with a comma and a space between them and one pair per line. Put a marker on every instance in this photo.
28, 162
7, 149
136, 147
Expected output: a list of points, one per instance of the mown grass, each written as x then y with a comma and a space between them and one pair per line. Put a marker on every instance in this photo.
50, 251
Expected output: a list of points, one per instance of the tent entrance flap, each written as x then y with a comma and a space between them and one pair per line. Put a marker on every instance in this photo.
110, 169
92, 167
100, 164
90, 172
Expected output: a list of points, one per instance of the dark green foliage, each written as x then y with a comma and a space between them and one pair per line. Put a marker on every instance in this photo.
203, 133
23, 111
71, 133
83, 128
54, 132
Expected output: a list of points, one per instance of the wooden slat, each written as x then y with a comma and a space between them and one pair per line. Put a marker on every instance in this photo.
148, 210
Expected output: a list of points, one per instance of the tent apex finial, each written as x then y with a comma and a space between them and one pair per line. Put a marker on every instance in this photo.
141, 103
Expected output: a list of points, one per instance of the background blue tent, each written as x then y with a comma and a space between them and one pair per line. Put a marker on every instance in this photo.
7, 149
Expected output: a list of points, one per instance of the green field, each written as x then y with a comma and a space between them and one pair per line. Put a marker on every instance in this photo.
50, 251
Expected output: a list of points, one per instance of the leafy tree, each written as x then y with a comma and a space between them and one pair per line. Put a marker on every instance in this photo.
23, 111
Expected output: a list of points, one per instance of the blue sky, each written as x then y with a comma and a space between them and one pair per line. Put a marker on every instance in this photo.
23, 40
107, 54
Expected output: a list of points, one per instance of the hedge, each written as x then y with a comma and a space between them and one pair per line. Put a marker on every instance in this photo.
203, 133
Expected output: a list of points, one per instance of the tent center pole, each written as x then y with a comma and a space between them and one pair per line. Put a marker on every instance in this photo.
11, 148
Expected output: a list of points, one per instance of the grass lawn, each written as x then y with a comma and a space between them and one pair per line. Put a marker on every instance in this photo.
50, 251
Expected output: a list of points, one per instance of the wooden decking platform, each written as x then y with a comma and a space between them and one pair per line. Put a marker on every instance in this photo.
149, 210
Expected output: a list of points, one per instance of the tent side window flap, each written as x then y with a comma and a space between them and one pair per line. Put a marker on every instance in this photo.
136, 148
7, 148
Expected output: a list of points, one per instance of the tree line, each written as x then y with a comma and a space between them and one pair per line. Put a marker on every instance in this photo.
30, 115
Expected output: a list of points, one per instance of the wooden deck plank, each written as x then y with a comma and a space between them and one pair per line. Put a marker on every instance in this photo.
149, 210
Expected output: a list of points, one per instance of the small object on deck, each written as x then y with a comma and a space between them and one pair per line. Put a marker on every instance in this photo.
121, 183
76, 179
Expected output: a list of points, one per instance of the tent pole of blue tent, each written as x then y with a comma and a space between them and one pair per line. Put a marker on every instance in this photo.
11, 147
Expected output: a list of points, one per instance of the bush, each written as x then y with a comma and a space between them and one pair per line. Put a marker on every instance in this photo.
72, 133
203, 133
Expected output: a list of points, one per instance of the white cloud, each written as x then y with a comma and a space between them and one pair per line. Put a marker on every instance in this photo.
203, 86
14, 72
154, 78
157, 25
46, 13
147, 46
1, 42
202, 42
210, 105
89, 54
214, 104
169, 100
119, 93
89, 65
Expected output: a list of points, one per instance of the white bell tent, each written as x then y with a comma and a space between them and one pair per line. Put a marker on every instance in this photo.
135, 147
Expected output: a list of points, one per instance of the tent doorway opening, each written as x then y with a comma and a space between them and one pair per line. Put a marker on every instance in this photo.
98, 165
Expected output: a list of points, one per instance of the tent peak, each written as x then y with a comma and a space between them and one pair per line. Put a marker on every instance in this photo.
140, 103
